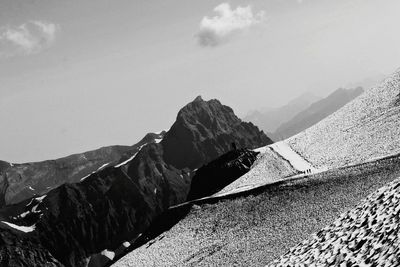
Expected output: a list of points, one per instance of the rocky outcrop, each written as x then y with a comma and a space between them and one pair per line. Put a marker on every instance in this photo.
214, 176
21, 251
205, 130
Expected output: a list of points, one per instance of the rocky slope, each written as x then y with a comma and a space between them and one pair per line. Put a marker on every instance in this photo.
367, 235
88, 222
271, 118
214, 176
317, 111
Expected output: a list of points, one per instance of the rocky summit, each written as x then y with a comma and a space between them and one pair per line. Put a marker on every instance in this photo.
205, 130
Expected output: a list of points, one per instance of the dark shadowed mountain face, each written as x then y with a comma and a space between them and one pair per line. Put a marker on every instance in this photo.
270, 119
205, 130
214, 176
77, 222
23, 181
317, 111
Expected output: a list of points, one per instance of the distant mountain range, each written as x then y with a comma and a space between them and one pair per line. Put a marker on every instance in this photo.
317, 111
301, 113
269, 119
98, 203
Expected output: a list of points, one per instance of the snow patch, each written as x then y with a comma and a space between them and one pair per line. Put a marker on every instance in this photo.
23, 215
40, 199
261, 149
126, 244
83, 178
126, 161
25, 229
158, 140
30, 187
108, 254
99, 169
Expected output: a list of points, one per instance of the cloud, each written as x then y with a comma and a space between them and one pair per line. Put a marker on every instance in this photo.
220, 28
28, 38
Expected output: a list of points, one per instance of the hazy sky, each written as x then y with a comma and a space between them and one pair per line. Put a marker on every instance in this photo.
77, 75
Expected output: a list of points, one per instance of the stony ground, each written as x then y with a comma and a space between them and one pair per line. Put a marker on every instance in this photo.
364, 129
367, 235
256, 229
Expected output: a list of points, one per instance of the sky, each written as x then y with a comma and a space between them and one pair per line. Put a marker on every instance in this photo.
78, 75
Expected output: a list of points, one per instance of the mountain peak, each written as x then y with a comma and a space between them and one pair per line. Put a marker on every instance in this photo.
205, 130
198, 99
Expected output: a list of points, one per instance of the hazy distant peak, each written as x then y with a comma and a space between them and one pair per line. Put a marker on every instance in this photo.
317, 111
271, 118
305, 97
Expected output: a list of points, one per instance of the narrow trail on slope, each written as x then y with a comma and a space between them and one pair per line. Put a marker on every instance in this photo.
287, 153
295, 159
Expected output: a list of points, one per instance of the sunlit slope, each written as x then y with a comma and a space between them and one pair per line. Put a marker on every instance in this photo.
366, 128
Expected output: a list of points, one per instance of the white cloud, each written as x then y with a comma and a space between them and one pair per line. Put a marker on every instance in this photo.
220, 28
28, 38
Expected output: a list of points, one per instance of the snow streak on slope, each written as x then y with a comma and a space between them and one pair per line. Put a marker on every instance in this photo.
130, 159
365, 129
25, 229
368, 235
